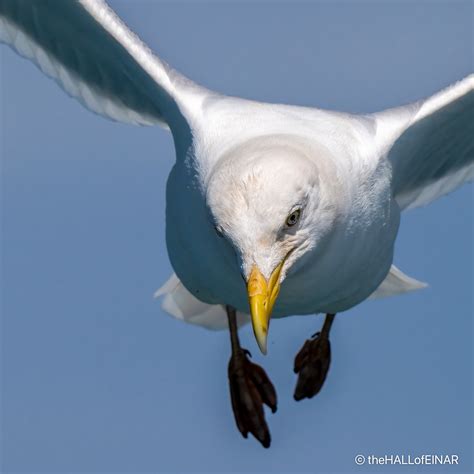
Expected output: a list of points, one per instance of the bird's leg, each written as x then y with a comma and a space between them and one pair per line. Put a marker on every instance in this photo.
250, 388
312, 362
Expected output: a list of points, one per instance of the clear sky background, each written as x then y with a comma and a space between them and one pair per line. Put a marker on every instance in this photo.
95, 377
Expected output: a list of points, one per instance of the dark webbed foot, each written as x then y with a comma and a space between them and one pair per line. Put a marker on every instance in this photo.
250, 388
312, 362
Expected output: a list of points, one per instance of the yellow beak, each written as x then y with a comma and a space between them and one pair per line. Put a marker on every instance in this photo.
262, 297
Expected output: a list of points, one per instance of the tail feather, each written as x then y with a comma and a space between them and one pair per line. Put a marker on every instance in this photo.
396, 283
181, 304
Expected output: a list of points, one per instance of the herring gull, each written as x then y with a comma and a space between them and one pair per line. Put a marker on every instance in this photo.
294, 210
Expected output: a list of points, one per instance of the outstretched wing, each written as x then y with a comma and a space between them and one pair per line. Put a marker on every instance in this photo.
430, 144
92, 54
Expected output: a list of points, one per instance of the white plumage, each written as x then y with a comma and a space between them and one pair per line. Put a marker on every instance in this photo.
243, 166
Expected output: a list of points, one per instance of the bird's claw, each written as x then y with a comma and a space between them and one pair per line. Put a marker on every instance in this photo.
312, 365
250, 388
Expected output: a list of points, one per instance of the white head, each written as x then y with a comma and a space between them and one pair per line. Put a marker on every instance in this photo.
266, 198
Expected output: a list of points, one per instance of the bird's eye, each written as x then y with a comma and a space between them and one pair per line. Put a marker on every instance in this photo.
293, 218
219, 231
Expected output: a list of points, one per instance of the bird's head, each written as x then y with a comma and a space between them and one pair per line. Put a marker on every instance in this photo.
266, 199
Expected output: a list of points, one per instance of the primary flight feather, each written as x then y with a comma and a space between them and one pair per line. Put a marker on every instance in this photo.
294, 210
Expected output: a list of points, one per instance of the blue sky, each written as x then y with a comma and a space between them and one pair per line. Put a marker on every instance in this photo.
95, 377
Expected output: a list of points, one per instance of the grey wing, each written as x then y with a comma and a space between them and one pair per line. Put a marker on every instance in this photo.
92, 54
430, 144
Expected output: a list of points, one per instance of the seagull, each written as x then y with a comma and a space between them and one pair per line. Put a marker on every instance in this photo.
272, 209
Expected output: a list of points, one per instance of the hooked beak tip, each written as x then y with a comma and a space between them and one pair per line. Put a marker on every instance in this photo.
262, 342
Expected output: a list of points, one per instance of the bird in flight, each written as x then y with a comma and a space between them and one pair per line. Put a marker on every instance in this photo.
272, 210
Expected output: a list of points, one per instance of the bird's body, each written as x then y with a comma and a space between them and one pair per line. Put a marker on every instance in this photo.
356, 255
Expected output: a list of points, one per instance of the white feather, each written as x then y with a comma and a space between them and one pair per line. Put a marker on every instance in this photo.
396, 283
